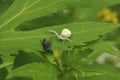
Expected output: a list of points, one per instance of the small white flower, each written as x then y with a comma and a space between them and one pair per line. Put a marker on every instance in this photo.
64, 35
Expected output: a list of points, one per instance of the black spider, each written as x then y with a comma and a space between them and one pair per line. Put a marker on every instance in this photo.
46, 45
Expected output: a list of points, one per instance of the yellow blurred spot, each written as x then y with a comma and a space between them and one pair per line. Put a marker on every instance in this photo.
56, 53
115, 20
104, 11
107, 15
107, 18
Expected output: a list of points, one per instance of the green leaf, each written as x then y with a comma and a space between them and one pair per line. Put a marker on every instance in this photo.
4, 5
36, 71
98, 3
3, 71
24, 58
89, 9
26, 10
30, 40
7, 63
46, 21
93, 72
101, 46
108, 72
75, 58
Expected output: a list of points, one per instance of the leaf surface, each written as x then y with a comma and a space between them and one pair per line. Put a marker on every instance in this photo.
26, 10
94, 72
107, 72
101, 46
82, 32
88, 10
36, 71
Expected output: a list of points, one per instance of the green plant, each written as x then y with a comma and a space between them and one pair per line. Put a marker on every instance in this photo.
25, 23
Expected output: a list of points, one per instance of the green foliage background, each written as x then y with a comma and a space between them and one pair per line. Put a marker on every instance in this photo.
25, 23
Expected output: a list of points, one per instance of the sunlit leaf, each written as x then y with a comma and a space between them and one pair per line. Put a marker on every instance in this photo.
36, 71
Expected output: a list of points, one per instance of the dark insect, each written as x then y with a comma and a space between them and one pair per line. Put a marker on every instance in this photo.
46, 45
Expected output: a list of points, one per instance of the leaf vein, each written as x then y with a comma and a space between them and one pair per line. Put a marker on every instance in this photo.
52, 35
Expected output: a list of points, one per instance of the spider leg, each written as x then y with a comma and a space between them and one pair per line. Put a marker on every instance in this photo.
68, 39
63, 38
60, 36
63, 41
54, 32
